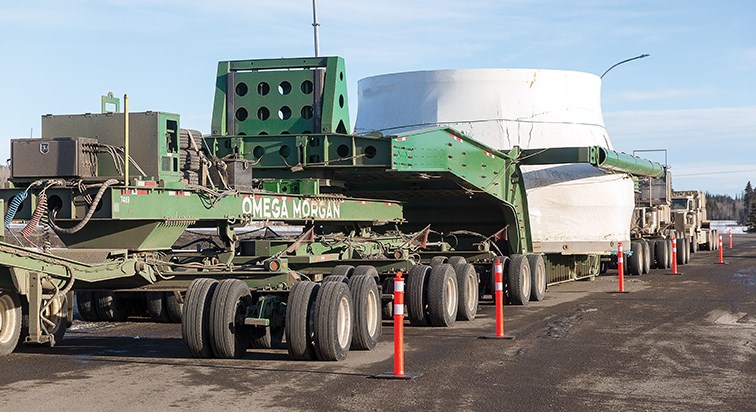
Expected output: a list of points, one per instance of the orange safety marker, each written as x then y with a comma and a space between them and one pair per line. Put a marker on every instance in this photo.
398, 372
620, 269
730, 238
721, 253
674, 256
499, 297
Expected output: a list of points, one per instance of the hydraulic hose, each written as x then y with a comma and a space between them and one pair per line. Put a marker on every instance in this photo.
87, 217
36, 217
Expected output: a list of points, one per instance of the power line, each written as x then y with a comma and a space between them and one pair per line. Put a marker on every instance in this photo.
716, 173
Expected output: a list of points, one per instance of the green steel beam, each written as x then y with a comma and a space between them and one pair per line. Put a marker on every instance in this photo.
597, 156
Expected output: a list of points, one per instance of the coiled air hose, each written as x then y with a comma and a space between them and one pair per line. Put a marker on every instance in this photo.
36, 217
13, 206
53, 212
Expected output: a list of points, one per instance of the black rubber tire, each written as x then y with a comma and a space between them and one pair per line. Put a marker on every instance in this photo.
669, 252
272, 338
229, 338
156, 307
366, 270
456, 260
680, 251
635, 260
416, 297
299, 328
109, 308
387, 308
537, 277
437, 260
518, 280
443, 295
336, 278
343, 270
87, 306
660, 253
694, 245
334, 320
467, 285
687, 250
195, 326
11, 322
173, 307
60, 320
646, 257
367, 312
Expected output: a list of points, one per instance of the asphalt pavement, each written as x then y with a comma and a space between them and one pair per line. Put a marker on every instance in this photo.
675, 342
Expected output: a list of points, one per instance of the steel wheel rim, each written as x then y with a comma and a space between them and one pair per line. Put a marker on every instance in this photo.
541, 278
372, 312
7, 320
451, 293
470, 292
525, 281
343, 322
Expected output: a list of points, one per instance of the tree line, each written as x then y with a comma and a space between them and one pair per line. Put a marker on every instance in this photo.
741, 208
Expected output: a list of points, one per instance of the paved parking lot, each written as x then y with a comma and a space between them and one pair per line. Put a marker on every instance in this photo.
674, 343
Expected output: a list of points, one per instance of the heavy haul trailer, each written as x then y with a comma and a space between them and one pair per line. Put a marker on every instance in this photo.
471, 193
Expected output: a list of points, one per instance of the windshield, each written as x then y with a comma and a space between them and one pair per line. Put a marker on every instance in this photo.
679, 203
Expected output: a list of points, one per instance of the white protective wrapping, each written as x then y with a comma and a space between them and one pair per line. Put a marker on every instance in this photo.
529, 108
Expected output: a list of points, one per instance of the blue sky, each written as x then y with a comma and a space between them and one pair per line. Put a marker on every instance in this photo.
694, 96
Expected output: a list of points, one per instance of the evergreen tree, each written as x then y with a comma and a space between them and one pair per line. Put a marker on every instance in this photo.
748, 198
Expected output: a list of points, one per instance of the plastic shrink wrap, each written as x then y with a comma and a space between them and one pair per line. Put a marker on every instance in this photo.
574, 208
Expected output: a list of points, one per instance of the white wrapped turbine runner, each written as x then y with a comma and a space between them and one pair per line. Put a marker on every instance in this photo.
573, 208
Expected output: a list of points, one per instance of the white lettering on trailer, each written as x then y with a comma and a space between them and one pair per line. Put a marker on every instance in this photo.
290, 208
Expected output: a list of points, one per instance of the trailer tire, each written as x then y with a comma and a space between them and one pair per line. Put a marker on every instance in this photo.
660, 252
387, 309
173, 307
229, 338
417, 295
195, 325
299, 325
271, 339
334, 318
646, 257
437, 260
443, 295
109, 308
156, 307
366, 270
56, 312
467, 284
537, 277
336, 278
518, 280
367, 312
669, 252
635, 260
687, 250
10, 321
343, 270
87, 305
680, 251
456, 260
694, 245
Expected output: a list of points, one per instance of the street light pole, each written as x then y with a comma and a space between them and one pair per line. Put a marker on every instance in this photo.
622, 62
315, 26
